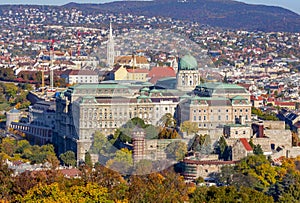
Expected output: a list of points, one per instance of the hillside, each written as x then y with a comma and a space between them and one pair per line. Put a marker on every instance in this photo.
222, 13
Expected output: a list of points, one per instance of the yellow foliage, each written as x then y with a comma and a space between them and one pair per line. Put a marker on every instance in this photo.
18, 105
191, 189
288, 164
281, 172
52, 193
122, 201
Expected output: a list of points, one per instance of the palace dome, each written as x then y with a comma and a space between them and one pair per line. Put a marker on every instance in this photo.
188, 62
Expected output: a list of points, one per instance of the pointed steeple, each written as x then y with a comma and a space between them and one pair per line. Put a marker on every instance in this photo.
110, 48
110, 31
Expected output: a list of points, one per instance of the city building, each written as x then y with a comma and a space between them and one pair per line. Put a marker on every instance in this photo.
12, 116
194, 167
40, 123
241, 149
85, 108
133, 61
211, 111
122, 73
188, 74
218, 89
80, 76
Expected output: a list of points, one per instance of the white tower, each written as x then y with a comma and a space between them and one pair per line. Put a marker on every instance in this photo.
110, 48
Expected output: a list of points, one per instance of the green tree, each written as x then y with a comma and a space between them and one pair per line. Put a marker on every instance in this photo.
10, 90
136, 121
202, 143
176, 150
22, 145
258, 150
151, 132
68, 158
143, 167
206, 146
40, 154
101, 144
260, 168
122, 161
223, 149
88, 159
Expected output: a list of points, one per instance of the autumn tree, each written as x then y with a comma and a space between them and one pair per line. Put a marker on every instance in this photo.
6, 182
189, 127
229, 194
167, 121
259, 168
8, 146
155, 187
168, 133
53, 193
112, 180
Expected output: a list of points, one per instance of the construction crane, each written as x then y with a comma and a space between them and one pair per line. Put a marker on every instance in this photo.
79, 39
52, 41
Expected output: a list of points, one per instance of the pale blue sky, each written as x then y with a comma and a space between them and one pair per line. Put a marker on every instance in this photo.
293, 5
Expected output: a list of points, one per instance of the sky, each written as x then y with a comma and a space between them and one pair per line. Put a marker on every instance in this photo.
293, 5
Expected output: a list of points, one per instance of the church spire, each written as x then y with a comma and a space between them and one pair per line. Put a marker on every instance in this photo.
110, 31
110, 48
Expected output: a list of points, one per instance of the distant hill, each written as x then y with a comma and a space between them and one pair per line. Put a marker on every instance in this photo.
222, 13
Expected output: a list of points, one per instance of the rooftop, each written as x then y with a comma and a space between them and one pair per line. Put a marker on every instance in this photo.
219, 85
246, 144
98, 86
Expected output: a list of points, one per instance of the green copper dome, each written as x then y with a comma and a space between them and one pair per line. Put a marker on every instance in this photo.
188, 62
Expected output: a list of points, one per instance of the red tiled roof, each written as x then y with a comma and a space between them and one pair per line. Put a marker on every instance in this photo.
157, 73
137, 71
162, 72
271, 99
246, 144
277, 103
71, 172
259, 98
